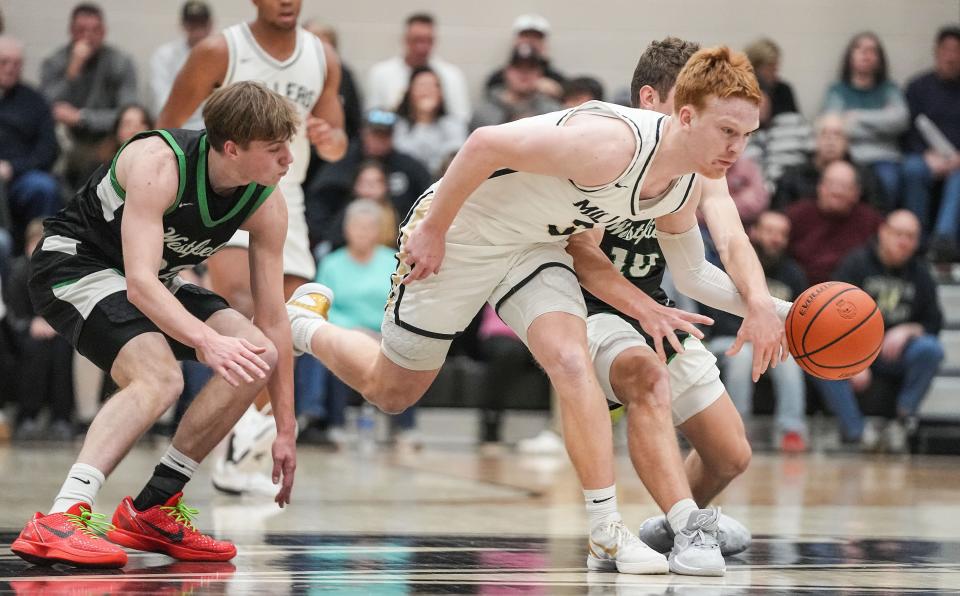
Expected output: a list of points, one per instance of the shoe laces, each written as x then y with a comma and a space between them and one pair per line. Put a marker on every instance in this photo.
704, 537
182, 514
623, 537
92, 524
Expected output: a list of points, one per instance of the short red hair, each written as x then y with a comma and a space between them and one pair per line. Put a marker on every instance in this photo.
720, 72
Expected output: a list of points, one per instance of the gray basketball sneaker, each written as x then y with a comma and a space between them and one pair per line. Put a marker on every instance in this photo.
696, 550
734, 536
612, 547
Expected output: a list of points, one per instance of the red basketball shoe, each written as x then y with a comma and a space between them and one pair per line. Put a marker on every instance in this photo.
71, 537
167, 529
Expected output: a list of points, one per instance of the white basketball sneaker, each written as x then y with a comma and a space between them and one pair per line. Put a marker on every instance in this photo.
243, 470
734, 537
696, 549
612, 547
307, 308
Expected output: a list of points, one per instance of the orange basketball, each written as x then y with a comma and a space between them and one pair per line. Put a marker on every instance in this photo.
834, 330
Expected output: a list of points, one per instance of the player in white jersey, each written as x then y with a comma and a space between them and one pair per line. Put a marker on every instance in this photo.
494, 230
686, 392
273, 50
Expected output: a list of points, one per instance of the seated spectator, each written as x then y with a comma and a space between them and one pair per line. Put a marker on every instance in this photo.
900, 281
786, 281
28, 145
370, 184
781, 142
829, 227
532, 30
349, 92
750, 195
764, 56
45, 358
389, 79
166, 61
359, 275
519, 97
873, 109
332, 188
580, 90
87, 82
800, 181
936, 95
424, 129
131, 119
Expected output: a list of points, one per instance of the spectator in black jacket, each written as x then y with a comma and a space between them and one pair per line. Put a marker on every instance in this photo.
906, 293
28, 145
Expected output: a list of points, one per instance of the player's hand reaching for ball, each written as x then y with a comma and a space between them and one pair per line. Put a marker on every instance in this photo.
660, 322
233, 358
284, 465
763, 328
423, 251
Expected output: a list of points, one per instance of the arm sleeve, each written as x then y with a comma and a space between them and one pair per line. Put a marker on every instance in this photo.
701, 280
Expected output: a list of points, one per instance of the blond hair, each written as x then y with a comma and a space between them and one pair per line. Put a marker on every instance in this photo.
719, 72
247, 111
762, 52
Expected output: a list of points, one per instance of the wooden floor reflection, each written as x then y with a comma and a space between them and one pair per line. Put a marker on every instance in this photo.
461, 523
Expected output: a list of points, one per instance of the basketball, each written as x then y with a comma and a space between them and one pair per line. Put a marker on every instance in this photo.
834, 330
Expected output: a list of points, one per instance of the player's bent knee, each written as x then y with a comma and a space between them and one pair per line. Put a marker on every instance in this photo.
648, 389
567, 362
739, 461
391, 403
163, 384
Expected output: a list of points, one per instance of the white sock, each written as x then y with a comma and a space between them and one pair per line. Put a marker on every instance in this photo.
81, 486
175, 460
601, 505
302, 333
680, 513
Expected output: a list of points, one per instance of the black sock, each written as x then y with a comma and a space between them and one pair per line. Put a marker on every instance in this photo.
164, 483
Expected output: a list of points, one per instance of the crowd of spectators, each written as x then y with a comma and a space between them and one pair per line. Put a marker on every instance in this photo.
869, 192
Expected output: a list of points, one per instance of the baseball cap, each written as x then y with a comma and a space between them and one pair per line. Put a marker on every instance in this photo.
531, 22
377, 118
195, 11
525, 54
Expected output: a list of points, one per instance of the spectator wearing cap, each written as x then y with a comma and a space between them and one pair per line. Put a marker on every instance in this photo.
166, 61
28, 144
580, 90
519, 96
332, 188
424, 128
532, 30
936, 95
387, 81
87, 82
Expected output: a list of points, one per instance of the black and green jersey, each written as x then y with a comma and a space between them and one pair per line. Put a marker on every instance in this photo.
636, 253
197, 223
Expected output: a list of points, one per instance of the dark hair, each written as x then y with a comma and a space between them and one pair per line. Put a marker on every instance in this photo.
132, 106
948, 31
86, 8
582, 86
846, 72
420, 17
405, 109
659, 66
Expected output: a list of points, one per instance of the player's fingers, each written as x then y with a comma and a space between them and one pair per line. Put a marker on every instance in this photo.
735, 348
696, 318
251, 347
784, 348
250, 368
675, 342
689, 328
658, 345
222, 370
261, 366
237, 368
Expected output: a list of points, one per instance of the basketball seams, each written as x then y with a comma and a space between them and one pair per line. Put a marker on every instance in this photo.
813, 319
807, 355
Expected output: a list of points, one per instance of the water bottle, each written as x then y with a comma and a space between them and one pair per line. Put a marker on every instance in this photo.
366, 429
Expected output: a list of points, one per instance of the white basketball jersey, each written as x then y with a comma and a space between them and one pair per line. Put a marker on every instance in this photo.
299, 78
518, 208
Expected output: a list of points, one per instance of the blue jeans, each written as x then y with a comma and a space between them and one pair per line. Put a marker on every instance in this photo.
917, 367
789, 389
889, 174
34, 194
310, 380
917, 184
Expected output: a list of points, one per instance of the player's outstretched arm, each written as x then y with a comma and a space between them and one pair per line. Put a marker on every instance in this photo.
148, 171
325, 123
590, 150
268, 229
204, 70
600, 277
744, 290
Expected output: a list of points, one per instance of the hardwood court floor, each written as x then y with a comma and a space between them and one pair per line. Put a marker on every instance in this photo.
443, 521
